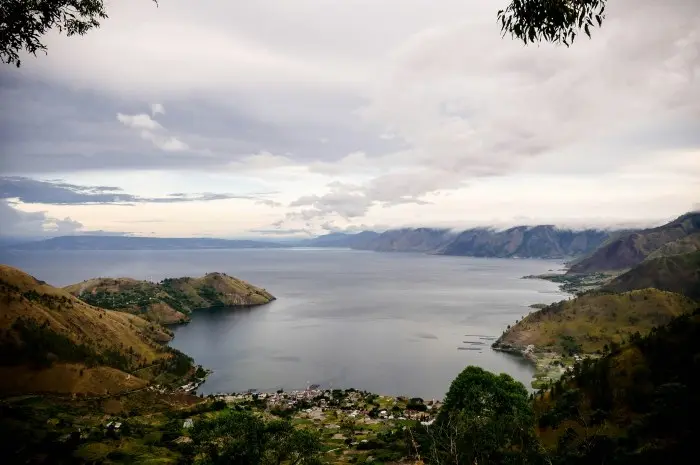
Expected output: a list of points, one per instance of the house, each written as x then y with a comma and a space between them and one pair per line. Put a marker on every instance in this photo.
114, 425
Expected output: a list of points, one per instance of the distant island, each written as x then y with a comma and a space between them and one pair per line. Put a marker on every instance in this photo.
172, 300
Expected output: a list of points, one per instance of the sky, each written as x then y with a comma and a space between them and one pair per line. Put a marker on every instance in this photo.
274, 118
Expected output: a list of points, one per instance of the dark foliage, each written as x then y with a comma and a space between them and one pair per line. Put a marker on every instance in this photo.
23, 23
242, 438
647, 388
558, 21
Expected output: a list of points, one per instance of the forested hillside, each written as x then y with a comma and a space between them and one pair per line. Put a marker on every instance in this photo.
677, 273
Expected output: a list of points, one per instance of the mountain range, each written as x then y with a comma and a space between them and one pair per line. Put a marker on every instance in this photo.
592, 250
624, 251
544, 241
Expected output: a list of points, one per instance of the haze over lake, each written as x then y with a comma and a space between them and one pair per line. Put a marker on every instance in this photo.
390, 323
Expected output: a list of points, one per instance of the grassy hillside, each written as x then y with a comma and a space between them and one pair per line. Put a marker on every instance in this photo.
681, 246
591, 321
631, 249
171, 300
677, 273
637, 405
51, 341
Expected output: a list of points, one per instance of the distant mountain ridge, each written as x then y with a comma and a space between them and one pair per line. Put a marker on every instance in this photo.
428, 240
544, 241
594, 249
139, 243
339, 239
681, 235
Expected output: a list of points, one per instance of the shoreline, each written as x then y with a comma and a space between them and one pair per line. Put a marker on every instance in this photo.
531, 357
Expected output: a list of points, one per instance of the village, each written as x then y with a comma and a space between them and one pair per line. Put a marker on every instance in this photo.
326, 406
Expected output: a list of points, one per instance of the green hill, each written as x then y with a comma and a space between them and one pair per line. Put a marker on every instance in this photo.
171, 300
631, 249
591, 321
51, 341
677, 273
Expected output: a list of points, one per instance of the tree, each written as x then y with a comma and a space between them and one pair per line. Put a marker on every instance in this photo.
485, 419
558, 21
242, 438
23, 23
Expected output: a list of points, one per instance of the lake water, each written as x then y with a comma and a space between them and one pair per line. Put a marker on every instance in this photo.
390, 323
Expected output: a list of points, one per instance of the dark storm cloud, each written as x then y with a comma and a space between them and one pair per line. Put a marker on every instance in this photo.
61, 193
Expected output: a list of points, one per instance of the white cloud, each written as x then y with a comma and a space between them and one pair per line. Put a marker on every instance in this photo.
153, 131
140, 121
156, 109
426, 116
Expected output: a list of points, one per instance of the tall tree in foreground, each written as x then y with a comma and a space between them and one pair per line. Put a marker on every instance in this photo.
485, 419
558, 21
23, 23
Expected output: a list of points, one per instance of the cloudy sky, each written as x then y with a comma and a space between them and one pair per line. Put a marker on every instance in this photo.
229, 118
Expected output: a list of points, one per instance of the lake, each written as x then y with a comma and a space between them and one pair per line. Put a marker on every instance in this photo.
390, 323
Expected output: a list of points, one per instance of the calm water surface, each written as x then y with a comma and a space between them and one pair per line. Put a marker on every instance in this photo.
386, 322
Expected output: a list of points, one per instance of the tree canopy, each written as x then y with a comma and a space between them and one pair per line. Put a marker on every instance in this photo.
23, 23
243, 438
485, 418
558, 21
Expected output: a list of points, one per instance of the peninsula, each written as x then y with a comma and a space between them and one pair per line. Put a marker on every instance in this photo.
172, 300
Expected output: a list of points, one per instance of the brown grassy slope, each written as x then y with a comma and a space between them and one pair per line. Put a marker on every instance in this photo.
229, 291
631, 249
42, 326
171, 300
596, 319
677, 273
67, 378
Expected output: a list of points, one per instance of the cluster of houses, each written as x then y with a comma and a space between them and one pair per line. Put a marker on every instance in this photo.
359, 405
190, 387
